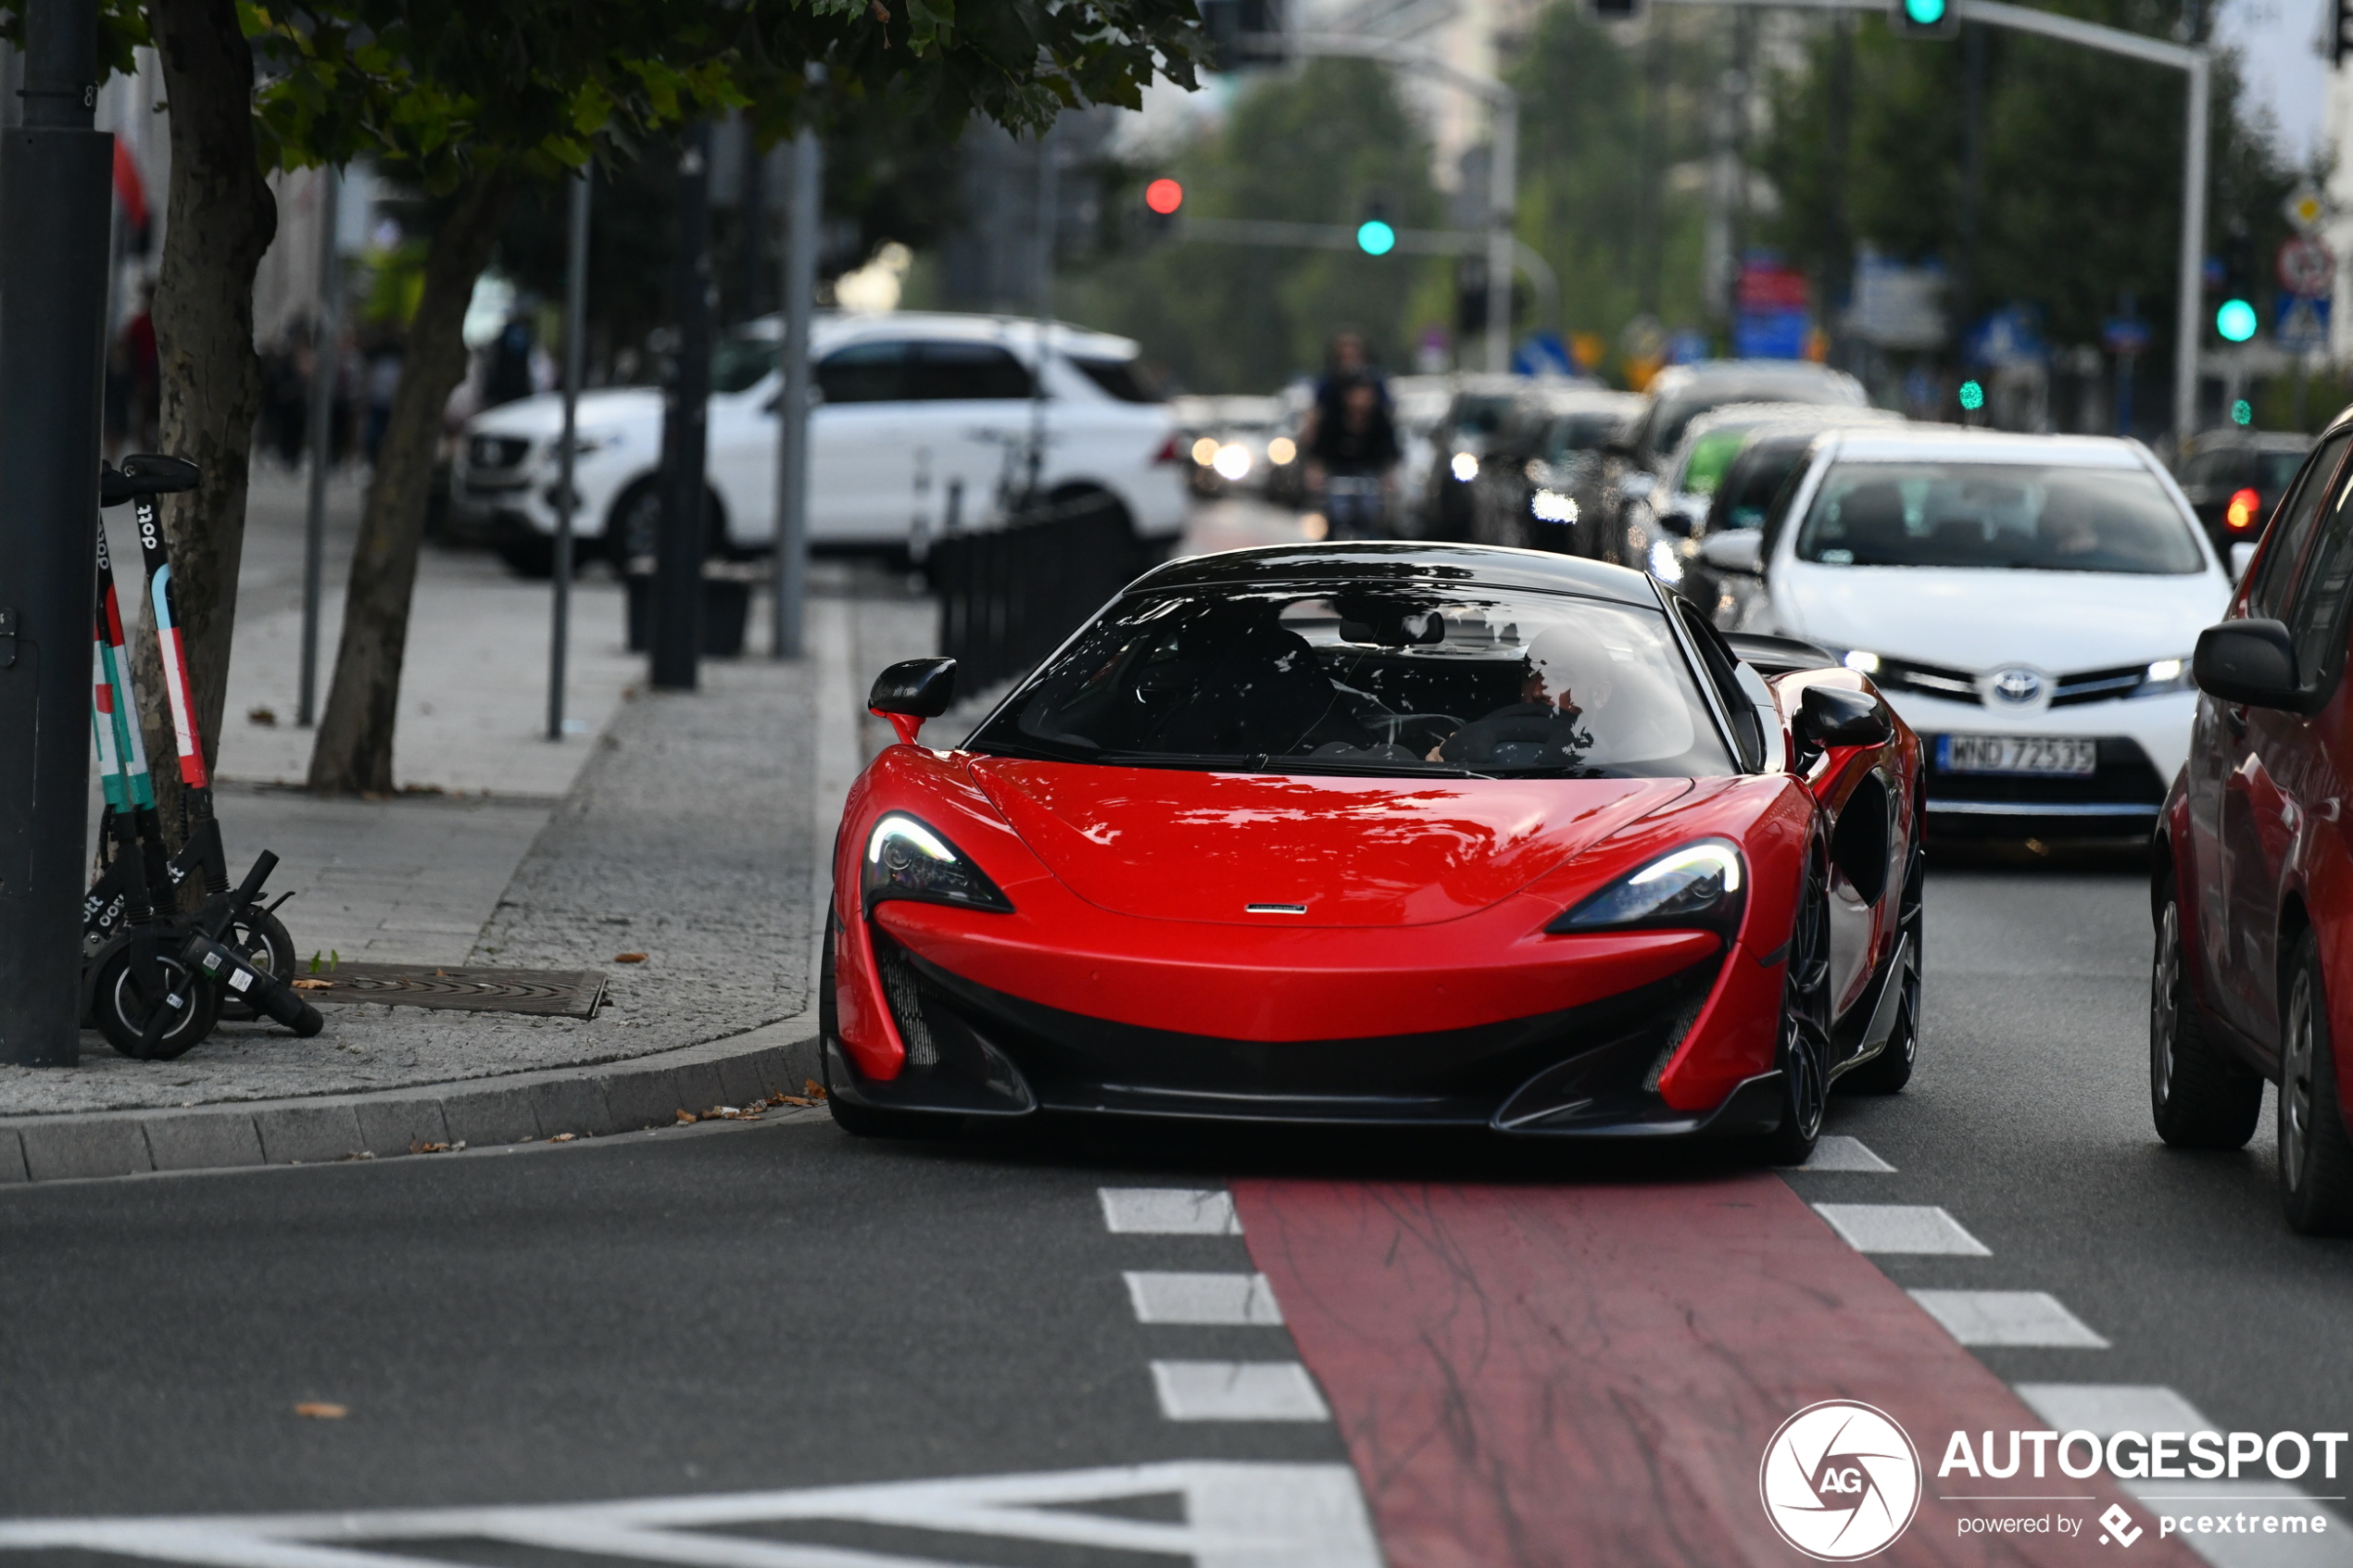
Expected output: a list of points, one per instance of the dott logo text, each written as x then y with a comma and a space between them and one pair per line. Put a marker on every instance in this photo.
1840, 1481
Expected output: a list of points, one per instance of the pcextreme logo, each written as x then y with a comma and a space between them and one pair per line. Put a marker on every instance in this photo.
1841, 1481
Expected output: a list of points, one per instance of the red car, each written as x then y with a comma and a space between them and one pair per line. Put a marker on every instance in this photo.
2253, 873
1385, 834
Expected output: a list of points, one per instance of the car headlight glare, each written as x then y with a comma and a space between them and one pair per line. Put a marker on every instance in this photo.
2164, 675
1702, 886
1551, 505
906, 860
1861, 660
1667, 562
1465, 467
1281, 450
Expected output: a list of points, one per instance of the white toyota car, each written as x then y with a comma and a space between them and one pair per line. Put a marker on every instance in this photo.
2027, 603
924, 423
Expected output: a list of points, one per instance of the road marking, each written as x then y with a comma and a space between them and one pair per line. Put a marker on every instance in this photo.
1836, 1151
1204, 1298
2008, 1317
2104, 1409
1238, 1391
1236, 1515
1901, 1227
1169, 1211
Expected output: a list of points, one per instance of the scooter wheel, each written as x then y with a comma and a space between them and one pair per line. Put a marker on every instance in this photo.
123, 1012
266, 946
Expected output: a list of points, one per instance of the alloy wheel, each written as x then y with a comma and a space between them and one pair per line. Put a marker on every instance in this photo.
2164, 1003
1806, 1034
2295, 1085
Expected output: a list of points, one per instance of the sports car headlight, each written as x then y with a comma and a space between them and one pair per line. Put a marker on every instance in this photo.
1701, 884
906, 860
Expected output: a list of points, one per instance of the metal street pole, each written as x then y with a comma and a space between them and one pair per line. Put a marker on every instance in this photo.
1042, 302
326, 333
55, 177
575, 352
804, 206
678, 587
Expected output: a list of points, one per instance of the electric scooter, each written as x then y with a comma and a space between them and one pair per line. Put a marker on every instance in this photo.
142, 961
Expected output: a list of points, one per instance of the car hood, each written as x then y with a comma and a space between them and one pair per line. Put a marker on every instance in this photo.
543, 416
1168, 845
2056, 621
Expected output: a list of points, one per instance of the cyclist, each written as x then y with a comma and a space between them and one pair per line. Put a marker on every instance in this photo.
1350, 453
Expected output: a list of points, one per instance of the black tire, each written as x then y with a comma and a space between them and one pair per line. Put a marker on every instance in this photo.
1887, 1073
862, 1121
122, 1012
2199, 1097
1803, 1056
2316, 1155
269, 948
528, 555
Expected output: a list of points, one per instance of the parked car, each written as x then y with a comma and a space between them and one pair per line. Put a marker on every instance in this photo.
2252, 877
2026, 602
1682, 392
1658, 532
1481, 405
923, 424
2235, 478
1537, 483
1418, 404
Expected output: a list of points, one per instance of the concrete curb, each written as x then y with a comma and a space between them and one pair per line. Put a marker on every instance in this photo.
613, 1097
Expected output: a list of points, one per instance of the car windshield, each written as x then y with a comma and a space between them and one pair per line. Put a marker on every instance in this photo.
1676, 413
1572, 433
739, 359
1748, 489
1481, 416
1389, 681
1703, 466
2001, 516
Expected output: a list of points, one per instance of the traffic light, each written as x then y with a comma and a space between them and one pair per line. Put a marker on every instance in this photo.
1161, 200
1926, 19
1376, 235
1241, 31
2236, 319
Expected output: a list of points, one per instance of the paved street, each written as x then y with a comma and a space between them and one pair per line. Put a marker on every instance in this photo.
733, 1309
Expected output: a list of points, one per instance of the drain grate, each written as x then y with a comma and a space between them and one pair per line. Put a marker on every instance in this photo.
561, 993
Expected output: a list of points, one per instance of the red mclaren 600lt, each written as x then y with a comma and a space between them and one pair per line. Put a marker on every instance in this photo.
1395, 833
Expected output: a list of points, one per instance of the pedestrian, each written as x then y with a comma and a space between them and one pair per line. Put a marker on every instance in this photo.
1350, 455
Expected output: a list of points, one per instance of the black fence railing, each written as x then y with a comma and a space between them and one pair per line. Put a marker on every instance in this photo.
1008, 596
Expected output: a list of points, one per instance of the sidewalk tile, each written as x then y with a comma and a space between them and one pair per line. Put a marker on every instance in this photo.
482, 1117
112, 1146
309, 1135
397, 1126
203, 1140
571, 1105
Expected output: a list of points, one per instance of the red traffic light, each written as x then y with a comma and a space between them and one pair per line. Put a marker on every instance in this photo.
2245, 508
1164, 196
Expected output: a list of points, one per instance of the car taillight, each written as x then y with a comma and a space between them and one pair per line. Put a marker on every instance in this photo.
1168, 452
2240, 515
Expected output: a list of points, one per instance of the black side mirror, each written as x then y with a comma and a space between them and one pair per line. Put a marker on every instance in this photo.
1828, 716
1678, 524
919, 689
2249, 662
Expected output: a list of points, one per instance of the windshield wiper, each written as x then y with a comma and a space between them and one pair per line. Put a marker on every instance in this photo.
1366, 768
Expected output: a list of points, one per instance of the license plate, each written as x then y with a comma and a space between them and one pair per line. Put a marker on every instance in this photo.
2063, 756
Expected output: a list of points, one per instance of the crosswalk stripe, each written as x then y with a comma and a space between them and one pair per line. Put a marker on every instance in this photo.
1204, 1298
1169, 1211
1238, 1391
1901, 1227
2008, 1317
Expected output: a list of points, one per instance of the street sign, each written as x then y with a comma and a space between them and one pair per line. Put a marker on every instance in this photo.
2304, 323
2125, 335
2307, 267
2305, 210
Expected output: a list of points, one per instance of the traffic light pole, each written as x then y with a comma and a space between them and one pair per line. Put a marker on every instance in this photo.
2194, 63
1502, 163
54, 180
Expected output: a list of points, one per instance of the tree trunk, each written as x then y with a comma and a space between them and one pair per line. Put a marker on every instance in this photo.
222, 217
353, 755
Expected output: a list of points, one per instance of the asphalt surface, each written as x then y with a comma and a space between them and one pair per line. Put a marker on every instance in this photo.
736, 1306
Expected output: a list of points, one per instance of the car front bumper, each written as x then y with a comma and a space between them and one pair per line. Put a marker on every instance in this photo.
2143, 743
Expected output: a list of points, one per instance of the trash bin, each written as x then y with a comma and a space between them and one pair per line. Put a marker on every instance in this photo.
726, 603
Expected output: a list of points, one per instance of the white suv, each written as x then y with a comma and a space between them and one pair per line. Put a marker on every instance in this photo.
924, 423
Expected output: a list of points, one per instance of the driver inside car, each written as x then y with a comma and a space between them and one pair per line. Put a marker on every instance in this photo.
1566, 683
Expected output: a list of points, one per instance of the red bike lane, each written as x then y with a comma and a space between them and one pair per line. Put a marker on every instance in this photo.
1591, 1375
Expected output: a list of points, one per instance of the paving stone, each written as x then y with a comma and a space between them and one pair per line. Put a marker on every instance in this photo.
309, 1134
209, 1139
481, 1118
741, 1079
700, 1087
643, 1096
398, 1124
84, 1145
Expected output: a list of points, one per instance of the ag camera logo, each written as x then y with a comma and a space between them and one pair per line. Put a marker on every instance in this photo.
1841, 1481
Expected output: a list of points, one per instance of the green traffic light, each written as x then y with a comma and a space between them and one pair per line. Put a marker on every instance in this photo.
2236, 321
1924, 13
2242, 413
1972, 396
1375, 237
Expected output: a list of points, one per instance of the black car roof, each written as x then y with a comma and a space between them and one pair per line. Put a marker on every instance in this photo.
1403, 563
